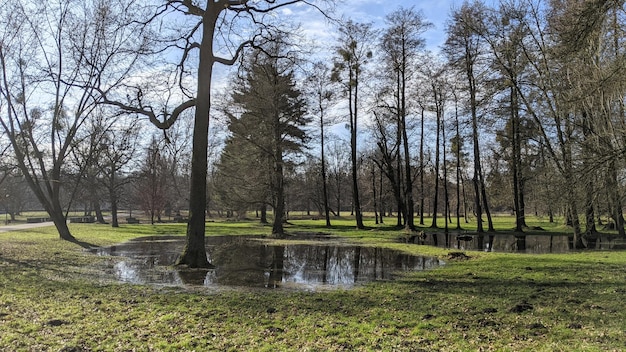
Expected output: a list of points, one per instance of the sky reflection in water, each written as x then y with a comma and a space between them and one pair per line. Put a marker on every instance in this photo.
246, 262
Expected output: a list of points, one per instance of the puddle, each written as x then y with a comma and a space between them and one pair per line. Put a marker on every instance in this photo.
250, 262
536, 244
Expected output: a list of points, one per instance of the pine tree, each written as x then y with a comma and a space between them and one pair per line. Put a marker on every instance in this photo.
266, 123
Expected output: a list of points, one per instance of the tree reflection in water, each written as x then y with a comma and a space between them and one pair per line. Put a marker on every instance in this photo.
524, 243
252, 263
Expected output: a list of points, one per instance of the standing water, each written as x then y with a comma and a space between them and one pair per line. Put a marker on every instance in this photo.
509, 243
250, 262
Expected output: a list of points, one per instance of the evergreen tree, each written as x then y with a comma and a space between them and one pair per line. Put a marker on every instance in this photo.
266, 122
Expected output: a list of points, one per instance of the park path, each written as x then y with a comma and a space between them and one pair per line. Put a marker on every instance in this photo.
18, 227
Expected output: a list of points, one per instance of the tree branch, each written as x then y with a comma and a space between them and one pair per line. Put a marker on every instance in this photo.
191, 8
168, 119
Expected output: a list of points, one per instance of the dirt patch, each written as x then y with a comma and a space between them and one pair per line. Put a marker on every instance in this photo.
458, 256
522, 307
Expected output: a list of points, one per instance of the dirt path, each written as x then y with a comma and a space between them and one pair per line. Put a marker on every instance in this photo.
18, 227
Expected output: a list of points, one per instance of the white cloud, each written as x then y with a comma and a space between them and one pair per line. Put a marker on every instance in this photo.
319, 29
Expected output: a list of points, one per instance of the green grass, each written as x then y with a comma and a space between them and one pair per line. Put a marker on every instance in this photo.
54, 296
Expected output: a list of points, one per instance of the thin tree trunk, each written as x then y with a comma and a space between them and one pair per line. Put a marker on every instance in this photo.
338, 197
437, 152
113, 200
381, 202
356, 202
421, 170
515, 161
483, 190
324, 181
458, 165
408, 179
374, 193
615, 201
445, 179
402, 210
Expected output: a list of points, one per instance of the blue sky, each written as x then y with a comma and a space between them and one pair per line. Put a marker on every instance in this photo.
317, 28
435, 11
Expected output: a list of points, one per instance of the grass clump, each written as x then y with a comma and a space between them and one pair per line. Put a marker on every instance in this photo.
55, 296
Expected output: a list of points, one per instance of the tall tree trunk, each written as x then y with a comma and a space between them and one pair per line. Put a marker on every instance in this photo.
374, 194
617, 212
464, 194
397, 190
402, 210
194, 253
51, 202
588, 153
263, 217
98, 211
476, 180
278, 190
356, 202
458, 165
381, 202
338, 193
324, 181
522, 203
61, 225
590, 217
408, 178
483, 190
408, 184
477, 204
515, 161
55, 210
421, 170
113, 200
571, 200
445, 179
437, 151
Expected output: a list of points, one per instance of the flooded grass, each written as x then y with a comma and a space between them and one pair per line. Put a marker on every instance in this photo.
49, 301
308, 262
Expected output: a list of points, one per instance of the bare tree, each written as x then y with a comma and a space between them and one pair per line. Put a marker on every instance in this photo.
322, 97
50, 54
210, 37
118, 148
152, 181
465, 49
435, 77
353, 53
387, 155
338, 175
401, 43
545, 98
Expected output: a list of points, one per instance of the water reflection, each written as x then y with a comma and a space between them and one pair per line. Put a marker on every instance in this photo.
514, 243
251, 263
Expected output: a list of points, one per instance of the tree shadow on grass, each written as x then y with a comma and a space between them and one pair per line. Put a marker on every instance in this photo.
83, 244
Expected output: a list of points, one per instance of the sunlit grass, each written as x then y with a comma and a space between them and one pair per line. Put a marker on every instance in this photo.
55, 296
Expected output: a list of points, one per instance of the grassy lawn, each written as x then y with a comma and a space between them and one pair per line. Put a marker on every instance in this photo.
55, 297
